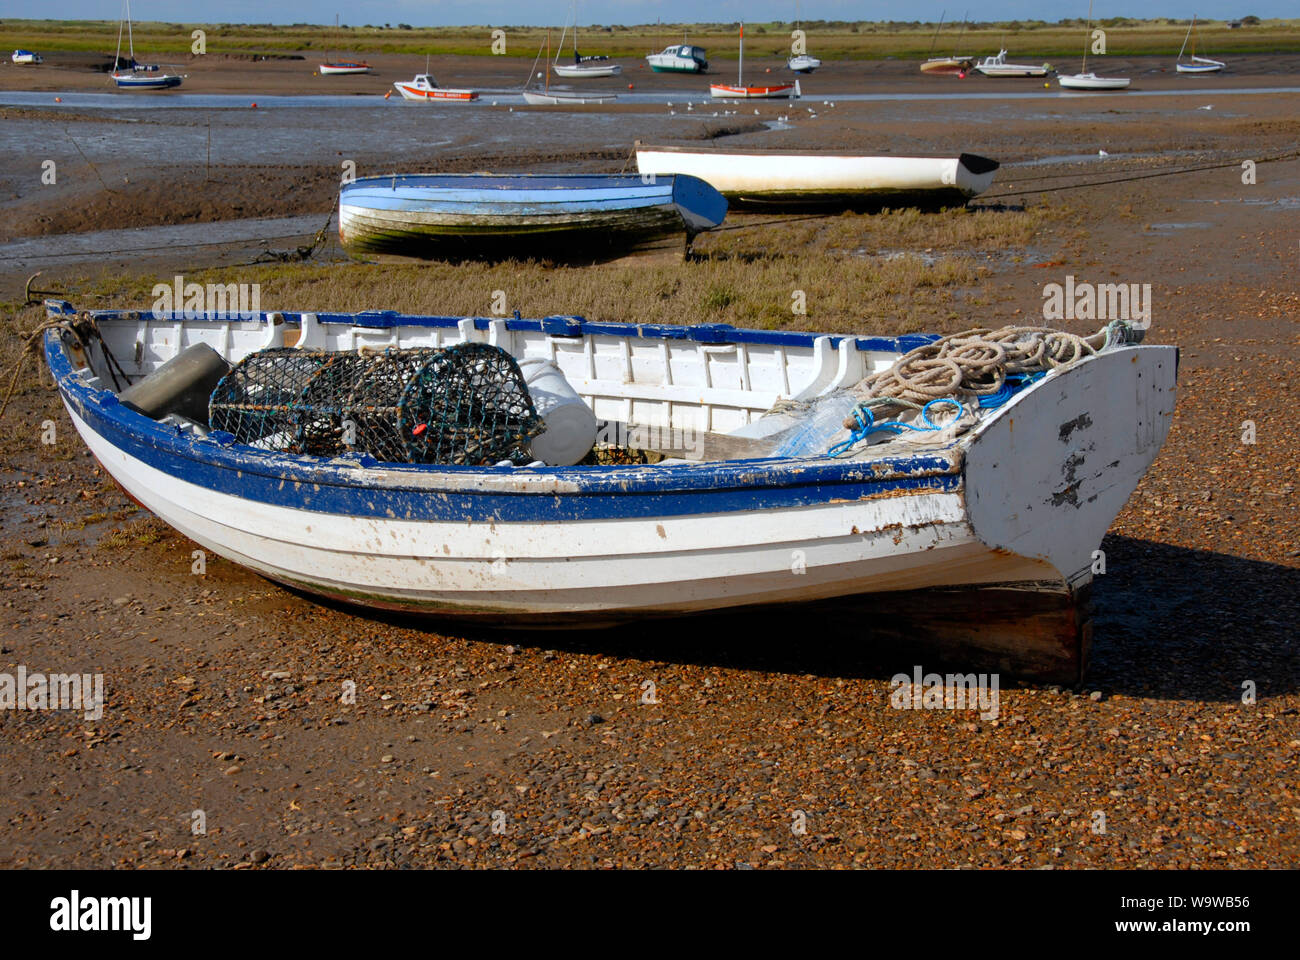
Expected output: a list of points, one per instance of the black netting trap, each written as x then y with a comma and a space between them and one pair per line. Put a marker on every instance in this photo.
465, 404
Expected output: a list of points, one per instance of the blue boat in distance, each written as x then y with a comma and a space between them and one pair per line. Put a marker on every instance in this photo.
499, 216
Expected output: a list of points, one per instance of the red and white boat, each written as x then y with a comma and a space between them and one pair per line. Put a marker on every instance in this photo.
742, 92
424, 87
343, 68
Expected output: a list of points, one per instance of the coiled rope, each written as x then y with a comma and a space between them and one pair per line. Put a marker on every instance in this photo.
978, 368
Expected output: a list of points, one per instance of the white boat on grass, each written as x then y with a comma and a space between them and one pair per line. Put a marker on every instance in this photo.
1195, 65
800, 179
1009, 511
26, 58
998, 67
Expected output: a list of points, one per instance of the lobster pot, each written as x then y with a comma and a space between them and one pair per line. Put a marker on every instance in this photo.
466, 404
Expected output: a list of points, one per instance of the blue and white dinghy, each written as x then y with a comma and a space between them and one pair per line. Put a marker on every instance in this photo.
722, 474
562, 216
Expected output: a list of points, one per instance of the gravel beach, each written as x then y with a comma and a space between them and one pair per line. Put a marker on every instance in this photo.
734, 742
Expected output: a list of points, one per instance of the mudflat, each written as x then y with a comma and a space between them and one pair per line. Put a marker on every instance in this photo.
223, 691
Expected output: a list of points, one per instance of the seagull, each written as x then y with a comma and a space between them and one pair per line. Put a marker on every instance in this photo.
756, 113
1102, 153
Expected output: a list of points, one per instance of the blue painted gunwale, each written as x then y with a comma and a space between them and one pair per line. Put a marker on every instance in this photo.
363, 487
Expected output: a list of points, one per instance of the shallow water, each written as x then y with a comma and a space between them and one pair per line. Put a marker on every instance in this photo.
504, 97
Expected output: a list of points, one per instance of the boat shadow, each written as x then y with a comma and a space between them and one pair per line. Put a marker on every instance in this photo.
1170, 623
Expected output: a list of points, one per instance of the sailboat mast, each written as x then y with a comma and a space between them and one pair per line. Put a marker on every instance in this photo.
1087, 35
935, 38
117, 57
547, 88
130, 35
740, 68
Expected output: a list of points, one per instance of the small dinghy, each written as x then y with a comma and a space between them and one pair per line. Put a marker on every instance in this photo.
593, 473
344, 68
26, 58
820, 180
558, 216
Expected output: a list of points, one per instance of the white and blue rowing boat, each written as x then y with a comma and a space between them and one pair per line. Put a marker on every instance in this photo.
1013, 508
452, 216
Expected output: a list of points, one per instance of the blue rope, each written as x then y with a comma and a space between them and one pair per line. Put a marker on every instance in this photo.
867, 424
1013, 384
866, 420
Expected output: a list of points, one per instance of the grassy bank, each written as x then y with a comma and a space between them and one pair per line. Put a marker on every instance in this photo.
888, 273
835, 41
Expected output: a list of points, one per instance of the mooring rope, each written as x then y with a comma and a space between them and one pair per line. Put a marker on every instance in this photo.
1278, 158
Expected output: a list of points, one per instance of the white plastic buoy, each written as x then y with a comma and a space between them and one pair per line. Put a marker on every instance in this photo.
570, 424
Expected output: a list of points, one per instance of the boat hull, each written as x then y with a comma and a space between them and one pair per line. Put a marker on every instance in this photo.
774, 91
1090, 81
161, 82
538, 98
796, 180
1016, 511
1012, 70
438, 94
1195, 68
587, 71
343, 69
470, 216
940, 66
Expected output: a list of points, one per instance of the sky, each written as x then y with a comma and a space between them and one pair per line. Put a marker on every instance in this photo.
546, 12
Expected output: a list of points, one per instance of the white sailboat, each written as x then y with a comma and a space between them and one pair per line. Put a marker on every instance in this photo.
1196, 64
131, 75
801, 62
592, 66
545, 98
1083, 80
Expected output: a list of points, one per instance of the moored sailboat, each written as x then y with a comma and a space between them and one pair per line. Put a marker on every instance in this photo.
1196, 64
130, 75
1084, 80
741, 91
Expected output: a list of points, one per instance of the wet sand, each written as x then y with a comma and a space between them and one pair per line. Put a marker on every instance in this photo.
223, 689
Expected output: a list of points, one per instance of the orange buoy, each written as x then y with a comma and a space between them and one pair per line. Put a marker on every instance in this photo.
253, 105
629, 86
388, 94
